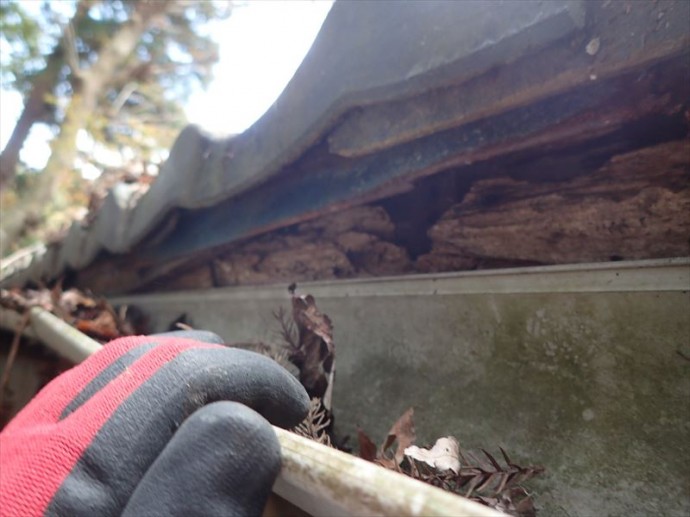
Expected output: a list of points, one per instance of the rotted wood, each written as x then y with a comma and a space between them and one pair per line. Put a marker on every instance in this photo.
356, 242
634, 207
321, 183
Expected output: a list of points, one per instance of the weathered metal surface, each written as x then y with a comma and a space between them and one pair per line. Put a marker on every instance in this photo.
573, 367
600, 107
323, 183
429, 85
623, 39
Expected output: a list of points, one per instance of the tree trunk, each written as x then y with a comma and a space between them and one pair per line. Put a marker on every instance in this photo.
35, 106
57, 184
34, 110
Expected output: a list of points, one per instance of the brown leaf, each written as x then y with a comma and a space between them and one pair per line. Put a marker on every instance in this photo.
103, 326
488, 481
403, 432
316, 425
507, 458
72, 299
287, 331
388, 463
23, 299
524, 505
474, 482
132, 320
315, 356
367, 448
492, 460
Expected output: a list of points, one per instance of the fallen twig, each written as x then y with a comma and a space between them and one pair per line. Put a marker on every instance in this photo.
14, 348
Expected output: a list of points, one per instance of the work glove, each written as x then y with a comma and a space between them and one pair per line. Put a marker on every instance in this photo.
158, 425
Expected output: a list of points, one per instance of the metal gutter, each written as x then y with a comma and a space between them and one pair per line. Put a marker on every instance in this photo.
315, 478
324, 481
627, 276
58, 335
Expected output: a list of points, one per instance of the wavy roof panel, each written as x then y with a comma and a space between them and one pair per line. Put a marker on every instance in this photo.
388, 91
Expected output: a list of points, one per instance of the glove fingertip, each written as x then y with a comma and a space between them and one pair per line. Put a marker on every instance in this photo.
223, 460
204, 336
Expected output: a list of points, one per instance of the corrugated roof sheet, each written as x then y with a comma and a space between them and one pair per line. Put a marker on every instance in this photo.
368, 61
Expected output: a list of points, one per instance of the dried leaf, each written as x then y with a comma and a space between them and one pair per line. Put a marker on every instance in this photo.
181, 319
492, 460
522, 501
488, 481
317, 423
480, 478
442, 456
315, 356
90, 315
132, 320
287, 331
403, 432
367, 448
103, 326
72, 300
507, 458
23, 299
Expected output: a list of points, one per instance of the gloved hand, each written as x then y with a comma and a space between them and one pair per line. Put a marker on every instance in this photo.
157, 425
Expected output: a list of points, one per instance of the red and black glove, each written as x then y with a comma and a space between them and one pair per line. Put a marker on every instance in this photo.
158, 425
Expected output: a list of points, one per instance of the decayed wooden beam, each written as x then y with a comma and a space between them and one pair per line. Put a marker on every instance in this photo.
634, 207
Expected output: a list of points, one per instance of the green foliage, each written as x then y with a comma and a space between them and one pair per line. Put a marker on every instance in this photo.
133, 107
142, 108
142, 101
21, 36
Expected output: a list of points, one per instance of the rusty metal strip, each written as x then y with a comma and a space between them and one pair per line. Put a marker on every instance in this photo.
596, 109
605, 49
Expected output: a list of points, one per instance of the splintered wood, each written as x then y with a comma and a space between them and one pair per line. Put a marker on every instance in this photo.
632, 207
356, 242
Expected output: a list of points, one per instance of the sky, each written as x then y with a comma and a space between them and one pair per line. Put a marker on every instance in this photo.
261, 45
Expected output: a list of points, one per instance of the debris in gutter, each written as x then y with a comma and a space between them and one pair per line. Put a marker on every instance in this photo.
307, 350
448, 466
314, 352
442, 456
91, 315
444, 465
317, 424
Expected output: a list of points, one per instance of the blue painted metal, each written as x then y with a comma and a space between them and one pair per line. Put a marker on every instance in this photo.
380, 86
298, 194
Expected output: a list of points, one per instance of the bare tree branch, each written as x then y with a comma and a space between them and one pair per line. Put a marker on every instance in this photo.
35, 107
